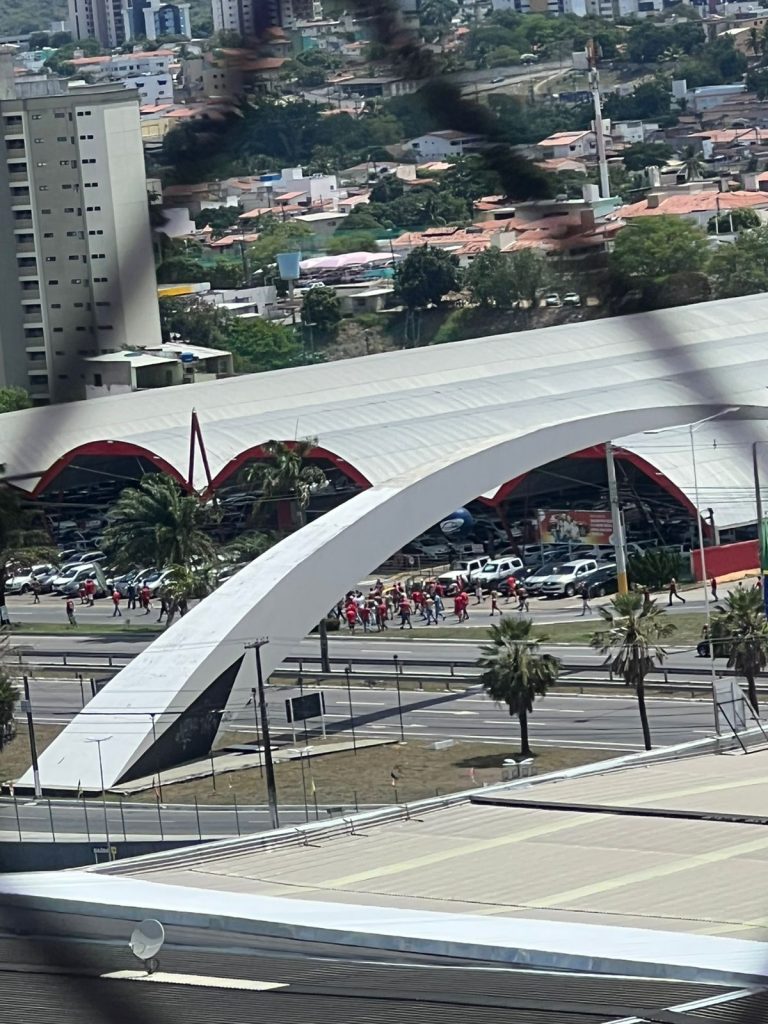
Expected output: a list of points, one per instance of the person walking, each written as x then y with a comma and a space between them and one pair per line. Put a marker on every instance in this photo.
713, 587
350, 613
35, 591
702, 647
116, 598
673, 593
405, 613
130, 591
463, 603
429, 609
439, 606
81, 591
145, 598
90, 591
383, 614
495, 603
511, 589
70, 608
478, 594
584, 594
522, 600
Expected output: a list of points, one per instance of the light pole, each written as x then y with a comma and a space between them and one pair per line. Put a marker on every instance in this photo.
98, 740
692, 428
269, 767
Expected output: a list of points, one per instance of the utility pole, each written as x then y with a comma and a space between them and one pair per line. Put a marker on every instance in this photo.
758, 495
270, 768
27, 708
618, 525
594, 86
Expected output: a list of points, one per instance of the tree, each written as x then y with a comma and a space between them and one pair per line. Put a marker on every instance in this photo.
258, 345
275, 236
515, 672
425, 276
288, 475
741, 268
357, 242
532, 274
733, 221
646, 154
24, 540
195, 321
158, 524
9, 695
757, 82
743, 624
655, 567
693, 163
13, 399
321, 307
491, 280
633, 644
656, 247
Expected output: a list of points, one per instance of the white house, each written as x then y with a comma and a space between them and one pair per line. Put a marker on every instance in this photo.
153, 89
570, 144
438, 145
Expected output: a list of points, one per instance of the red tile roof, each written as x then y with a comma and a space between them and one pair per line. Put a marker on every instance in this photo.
679, 204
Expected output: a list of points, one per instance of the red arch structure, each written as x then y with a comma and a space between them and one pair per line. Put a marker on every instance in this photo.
105, 449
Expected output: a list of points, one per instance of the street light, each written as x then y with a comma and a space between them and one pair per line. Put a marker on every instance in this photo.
98, 740
692, 428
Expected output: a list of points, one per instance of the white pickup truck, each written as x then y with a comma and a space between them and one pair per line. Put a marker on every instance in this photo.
467, 569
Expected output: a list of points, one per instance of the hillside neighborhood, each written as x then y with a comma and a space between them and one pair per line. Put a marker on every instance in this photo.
534, 166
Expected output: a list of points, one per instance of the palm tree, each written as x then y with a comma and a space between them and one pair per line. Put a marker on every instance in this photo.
692, 163
633, 644
157, 524
24, 540
289, 476
515, 672
745, 629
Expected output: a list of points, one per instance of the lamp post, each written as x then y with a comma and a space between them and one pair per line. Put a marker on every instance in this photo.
98, 740
692, 428
269, 767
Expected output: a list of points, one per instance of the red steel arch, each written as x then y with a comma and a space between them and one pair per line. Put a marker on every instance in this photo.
106, 448
259, 452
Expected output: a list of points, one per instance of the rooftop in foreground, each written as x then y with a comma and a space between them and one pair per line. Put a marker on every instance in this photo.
596, 866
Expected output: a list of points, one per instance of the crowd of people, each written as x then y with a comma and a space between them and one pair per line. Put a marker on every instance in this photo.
423, 600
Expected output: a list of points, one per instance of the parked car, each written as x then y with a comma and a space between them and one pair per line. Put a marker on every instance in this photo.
21, 582
497, 569
468, 549
156, 580
73, 575
72, 589
466, 569
571, 299
536, 580
430, 547
552, 299
603, 581
136, 577
567, 579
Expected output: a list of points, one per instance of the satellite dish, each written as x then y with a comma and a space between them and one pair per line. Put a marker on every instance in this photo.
147, 939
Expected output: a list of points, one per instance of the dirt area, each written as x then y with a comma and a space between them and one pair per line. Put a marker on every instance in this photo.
367, 777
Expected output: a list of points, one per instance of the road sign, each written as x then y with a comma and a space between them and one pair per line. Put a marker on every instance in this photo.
310, 705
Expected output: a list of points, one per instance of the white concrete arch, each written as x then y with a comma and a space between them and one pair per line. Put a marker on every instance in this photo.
283, 593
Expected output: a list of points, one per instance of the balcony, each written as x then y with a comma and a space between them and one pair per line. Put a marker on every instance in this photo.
19, 176
24, 247
33, 316
30, 295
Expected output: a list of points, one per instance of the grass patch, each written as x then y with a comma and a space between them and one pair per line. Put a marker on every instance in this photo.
15, 757
366, 777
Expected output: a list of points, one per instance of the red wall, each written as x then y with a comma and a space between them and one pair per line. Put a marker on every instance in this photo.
727, 558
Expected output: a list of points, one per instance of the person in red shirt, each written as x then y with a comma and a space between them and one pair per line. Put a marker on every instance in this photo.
464, 600
116, 595
351, 615
405, 613
90, 591
511, 588
383, 614
146, 598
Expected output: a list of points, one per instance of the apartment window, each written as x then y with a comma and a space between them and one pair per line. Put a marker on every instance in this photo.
61, 138
53, 282
97, 232
50, 259
66, 187
43, 188
90, 160
74, 258
78, 305
56, 305
45, 211
69, 209
60, 113
98, 256
36, 117
93, 209
49, 234
97, 380
103, 303
63, 163
83, 137
41, 163
58, 330
80, 328
105, 327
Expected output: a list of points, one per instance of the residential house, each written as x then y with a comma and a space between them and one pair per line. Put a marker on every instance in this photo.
577, 144
441, 144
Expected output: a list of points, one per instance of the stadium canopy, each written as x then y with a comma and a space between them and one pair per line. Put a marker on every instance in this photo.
429, 429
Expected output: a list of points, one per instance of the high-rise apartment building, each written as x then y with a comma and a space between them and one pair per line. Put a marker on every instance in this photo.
98, 19
76, 257
152, 19
250, 18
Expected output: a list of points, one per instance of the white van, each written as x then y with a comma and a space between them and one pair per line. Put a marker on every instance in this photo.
74, 574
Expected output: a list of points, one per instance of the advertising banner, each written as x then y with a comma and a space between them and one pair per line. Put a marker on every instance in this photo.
576, 526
